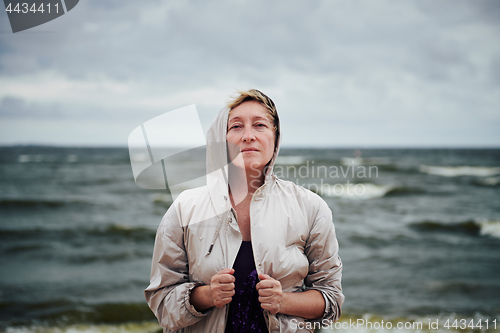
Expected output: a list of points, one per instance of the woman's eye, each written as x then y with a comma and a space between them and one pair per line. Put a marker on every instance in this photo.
235, 127
260, 125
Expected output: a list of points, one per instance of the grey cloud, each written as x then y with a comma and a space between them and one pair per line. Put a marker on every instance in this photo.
213, 39
18, 108
13, 107
462, 11
356, 60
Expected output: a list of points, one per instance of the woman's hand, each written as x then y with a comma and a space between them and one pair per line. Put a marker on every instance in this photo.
218, 293
222, 287
308, 304
271, 295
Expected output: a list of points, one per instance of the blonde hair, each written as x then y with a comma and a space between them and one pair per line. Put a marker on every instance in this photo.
258, 96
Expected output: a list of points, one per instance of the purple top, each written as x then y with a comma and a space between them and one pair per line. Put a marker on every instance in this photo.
245, 313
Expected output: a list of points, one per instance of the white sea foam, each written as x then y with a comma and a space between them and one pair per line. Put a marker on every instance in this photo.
362, 191
364, 161
351, 160
29, 158
72, 158
489, 181
456, 171
23, 158
489, 228
36, 158
290, 160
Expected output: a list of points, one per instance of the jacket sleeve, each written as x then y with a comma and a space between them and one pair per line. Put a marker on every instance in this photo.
325, 266
170, 288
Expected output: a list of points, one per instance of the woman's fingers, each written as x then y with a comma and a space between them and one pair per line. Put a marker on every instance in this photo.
266, 292
226, 271
222, 287
270, 293
227, 286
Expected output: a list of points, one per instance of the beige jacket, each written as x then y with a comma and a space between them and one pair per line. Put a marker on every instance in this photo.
293, 241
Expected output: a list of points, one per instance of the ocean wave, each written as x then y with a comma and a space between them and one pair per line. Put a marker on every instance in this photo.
162, 199
378, 241
31, 158
47, 252
380, 163
454, 287
61, 316
456, 171
39, 158
134, 232
364, 161
290, 160
29, 203
110, 231
104, 180
472, 227
488, 181
122, 255
490, 228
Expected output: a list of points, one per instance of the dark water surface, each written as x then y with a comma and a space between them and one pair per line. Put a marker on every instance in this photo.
419, 232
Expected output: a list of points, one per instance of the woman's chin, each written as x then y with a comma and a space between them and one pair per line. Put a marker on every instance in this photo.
249, 167
252, 167
248, 163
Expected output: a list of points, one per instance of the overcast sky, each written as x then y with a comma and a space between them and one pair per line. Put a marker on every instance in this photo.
342, 73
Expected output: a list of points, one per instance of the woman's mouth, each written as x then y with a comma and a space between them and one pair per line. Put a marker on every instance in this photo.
249, 150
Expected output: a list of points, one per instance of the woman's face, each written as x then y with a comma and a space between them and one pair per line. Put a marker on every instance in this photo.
250, 136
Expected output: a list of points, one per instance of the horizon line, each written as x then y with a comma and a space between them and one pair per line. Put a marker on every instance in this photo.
350, 146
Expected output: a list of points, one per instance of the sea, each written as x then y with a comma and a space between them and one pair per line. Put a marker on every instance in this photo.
419, 235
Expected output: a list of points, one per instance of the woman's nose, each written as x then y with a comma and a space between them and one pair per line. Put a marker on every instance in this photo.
248, 134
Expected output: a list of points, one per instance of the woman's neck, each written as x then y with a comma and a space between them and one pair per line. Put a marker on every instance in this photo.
243, 182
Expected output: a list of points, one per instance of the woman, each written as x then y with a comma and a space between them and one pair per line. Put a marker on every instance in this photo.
248, 252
